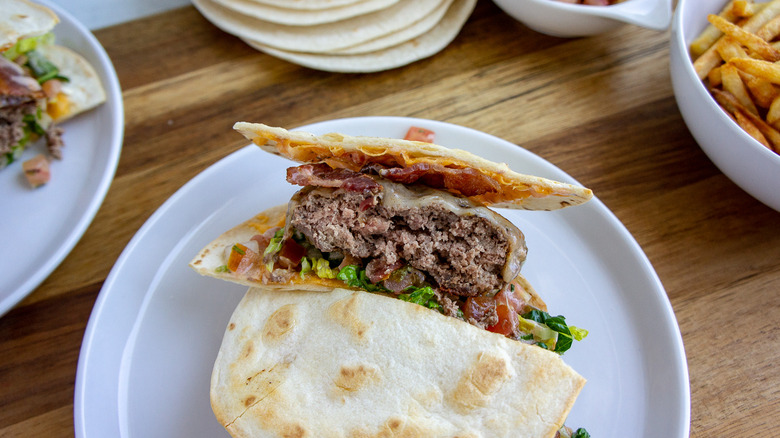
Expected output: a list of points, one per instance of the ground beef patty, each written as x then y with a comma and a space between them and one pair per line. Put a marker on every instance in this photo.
463, 254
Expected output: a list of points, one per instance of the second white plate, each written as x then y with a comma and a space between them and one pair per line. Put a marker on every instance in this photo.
151, 341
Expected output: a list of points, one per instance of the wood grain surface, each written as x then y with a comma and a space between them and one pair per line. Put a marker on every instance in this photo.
601, 108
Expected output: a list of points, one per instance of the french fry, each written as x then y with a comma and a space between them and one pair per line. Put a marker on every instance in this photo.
753, 125
763, 92
748, 39
773, 115
738, 56
706, 62
752, 130
757, 67
714, 77
770, 30
762, 17
734, 85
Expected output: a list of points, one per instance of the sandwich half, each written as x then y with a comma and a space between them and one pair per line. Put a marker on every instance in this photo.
406, 219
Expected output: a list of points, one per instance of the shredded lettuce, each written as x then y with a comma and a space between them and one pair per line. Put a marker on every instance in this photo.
26, 45
322, 268
273, 247
423, 296
558, 337
356, 277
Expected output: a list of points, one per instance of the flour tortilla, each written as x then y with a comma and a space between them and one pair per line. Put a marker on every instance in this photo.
447, 26
304, 17
516, 191
354, 59
212, 257
308, 5
354, 364
320, 38
21, 19
84, 89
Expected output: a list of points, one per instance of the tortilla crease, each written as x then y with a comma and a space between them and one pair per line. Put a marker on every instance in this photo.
210, 260
83, 89
304, 17
354, 364
21, 19
517, 191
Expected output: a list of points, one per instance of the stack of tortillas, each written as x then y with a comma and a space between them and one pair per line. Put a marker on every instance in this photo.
349, 36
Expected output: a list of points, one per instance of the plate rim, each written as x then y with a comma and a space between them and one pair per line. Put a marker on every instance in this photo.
115, 104
683, 392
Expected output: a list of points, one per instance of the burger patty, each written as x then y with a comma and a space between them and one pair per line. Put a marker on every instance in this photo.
464, 254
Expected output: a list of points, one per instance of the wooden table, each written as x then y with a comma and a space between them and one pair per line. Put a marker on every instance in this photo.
600, 108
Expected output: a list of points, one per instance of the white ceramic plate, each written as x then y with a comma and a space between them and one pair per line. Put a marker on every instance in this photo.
154, 333
41, 226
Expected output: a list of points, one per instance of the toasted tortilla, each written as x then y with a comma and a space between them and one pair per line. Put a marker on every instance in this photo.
84, 90
211, 258
354, 364
23, 19
304, 17
320, 38
308, 5
516, 190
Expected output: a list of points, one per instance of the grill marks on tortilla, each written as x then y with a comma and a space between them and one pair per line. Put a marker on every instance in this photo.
480, 381
279, 324
351, 378
345, 313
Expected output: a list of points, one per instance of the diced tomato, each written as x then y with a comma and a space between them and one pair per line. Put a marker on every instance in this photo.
477, 307
291, 253
241, 258
510, 295
507, 319
36, 170
420, 134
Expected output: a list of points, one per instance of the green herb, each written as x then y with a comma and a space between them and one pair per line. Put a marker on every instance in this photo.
222, 268
580, 433
42, 68
423, 296
237, 249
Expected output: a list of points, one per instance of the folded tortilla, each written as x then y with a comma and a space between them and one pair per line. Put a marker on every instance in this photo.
210, 262
21, 19
84, 89
355, 364
515, 190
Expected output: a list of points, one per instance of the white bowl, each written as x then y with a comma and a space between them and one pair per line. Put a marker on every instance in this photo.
567, 20
744, 160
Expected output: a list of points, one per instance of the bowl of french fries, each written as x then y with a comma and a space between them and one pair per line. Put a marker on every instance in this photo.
580, 18
725, 68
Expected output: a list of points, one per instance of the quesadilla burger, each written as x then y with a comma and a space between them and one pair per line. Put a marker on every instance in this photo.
41, 84
402, 218
351, 364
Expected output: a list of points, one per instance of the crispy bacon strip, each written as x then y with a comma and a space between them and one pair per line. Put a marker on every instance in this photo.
322, 175
468, 181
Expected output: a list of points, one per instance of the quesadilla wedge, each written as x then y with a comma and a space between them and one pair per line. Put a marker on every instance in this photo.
352, 364
41, 84
402, 218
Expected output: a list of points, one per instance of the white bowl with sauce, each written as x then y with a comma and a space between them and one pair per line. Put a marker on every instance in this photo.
746, 162
556, 18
